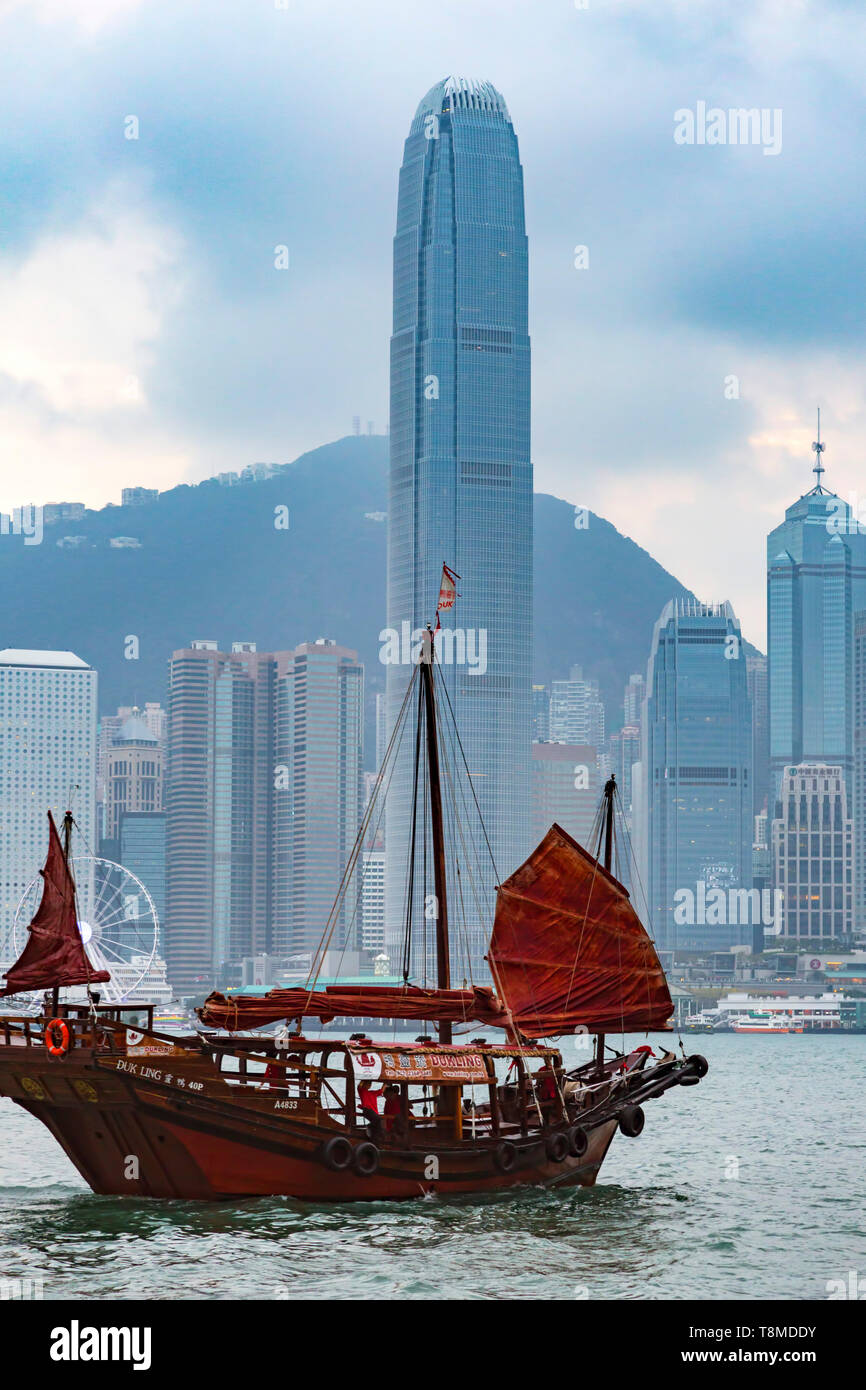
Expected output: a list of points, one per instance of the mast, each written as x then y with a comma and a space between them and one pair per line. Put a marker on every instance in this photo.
443, 962
607, 852
609, 795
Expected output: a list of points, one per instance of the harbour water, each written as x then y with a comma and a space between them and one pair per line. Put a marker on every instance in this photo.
750, 1186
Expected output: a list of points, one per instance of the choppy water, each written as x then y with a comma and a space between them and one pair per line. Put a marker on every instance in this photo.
749, 1186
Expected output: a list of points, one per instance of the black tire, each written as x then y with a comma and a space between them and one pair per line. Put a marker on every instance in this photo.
697, 1065
337, 1154
505, 1156
557, 1147
366, 1159
631, 1121
578, 1140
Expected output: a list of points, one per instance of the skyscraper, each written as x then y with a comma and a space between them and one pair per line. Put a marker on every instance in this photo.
696, 779
324, 689
47, 762
219, 802
461, 477
576, 711
566, 786
816, 580
813, 854
133, 774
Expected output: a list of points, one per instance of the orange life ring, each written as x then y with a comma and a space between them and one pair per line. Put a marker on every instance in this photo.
57, 1049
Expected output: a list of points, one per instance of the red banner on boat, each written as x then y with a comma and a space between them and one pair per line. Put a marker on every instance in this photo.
418, 1065
568, 951
54, 953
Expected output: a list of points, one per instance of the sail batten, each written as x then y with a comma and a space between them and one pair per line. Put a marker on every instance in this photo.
568, 951
54, 954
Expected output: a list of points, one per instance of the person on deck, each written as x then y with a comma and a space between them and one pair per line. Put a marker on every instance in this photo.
393, 1110
369, 1099
546, 1088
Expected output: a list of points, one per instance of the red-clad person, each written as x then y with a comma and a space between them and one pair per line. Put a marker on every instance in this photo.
370, 1099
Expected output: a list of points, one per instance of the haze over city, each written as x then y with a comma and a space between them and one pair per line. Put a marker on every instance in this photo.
198, 354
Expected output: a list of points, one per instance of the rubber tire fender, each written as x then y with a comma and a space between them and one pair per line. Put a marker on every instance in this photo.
578, 1140
631, 1121
366, 1159
557, 1147
505, 1156
338, 1154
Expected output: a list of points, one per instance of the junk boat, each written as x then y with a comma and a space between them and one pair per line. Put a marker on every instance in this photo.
233, 1110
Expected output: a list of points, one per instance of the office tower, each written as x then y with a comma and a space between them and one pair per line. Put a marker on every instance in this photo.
576, 711
624, 753
633, 698
47, 762
381, 729
566, 788
756, 671
813, 852
220, 776
373, 903
461, 477
816, 580
696, 779
133, 774
857, 807
324, 688
540, 714
141, 850
153, 716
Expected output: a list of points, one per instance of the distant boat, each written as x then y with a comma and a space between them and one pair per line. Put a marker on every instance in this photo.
766, 1023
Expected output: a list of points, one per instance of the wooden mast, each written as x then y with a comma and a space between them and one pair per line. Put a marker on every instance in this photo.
606, 848
443, 961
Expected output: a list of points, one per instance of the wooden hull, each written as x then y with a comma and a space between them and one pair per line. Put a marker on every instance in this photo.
137, 1136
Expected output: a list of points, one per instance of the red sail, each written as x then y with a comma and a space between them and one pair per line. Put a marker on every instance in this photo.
568, 951
54, 954
354, 1001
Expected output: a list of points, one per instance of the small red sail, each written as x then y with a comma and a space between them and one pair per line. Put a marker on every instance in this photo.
568, 951
477, 1005
54, 954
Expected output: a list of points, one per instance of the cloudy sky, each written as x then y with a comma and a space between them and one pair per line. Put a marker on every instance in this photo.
147, 337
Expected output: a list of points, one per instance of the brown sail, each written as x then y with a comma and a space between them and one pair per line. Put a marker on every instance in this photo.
477, 1005
54, 953
568, 951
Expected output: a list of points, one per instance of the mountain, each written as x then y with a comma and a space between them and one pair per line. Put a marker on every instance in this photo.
124, 586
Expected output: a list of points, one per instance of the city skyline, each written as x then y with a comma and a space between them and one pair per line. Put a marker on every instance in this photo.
193, 285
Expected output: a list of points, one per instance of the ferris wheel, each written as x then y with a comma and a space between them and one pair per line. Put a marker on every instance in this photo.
116, 917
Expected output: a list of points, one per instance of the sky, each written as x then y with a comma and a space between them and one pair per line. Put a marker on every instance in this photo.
148, 337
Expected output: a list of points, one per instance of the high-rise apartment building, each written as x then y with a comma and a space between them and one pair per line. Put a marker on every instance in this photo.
633, 698
461, 476
576, 711
540, 711
47, 762
264, 792
220, 775
324, 695
857, 803
696, 816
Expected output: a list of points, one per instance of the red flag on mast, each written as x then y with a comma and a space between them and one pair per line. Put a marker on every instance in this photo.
447, 593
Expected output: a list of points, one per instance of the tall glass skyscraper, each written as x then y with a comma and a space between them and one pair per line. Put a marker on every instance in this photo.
461, 477
816, 581
696, 781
